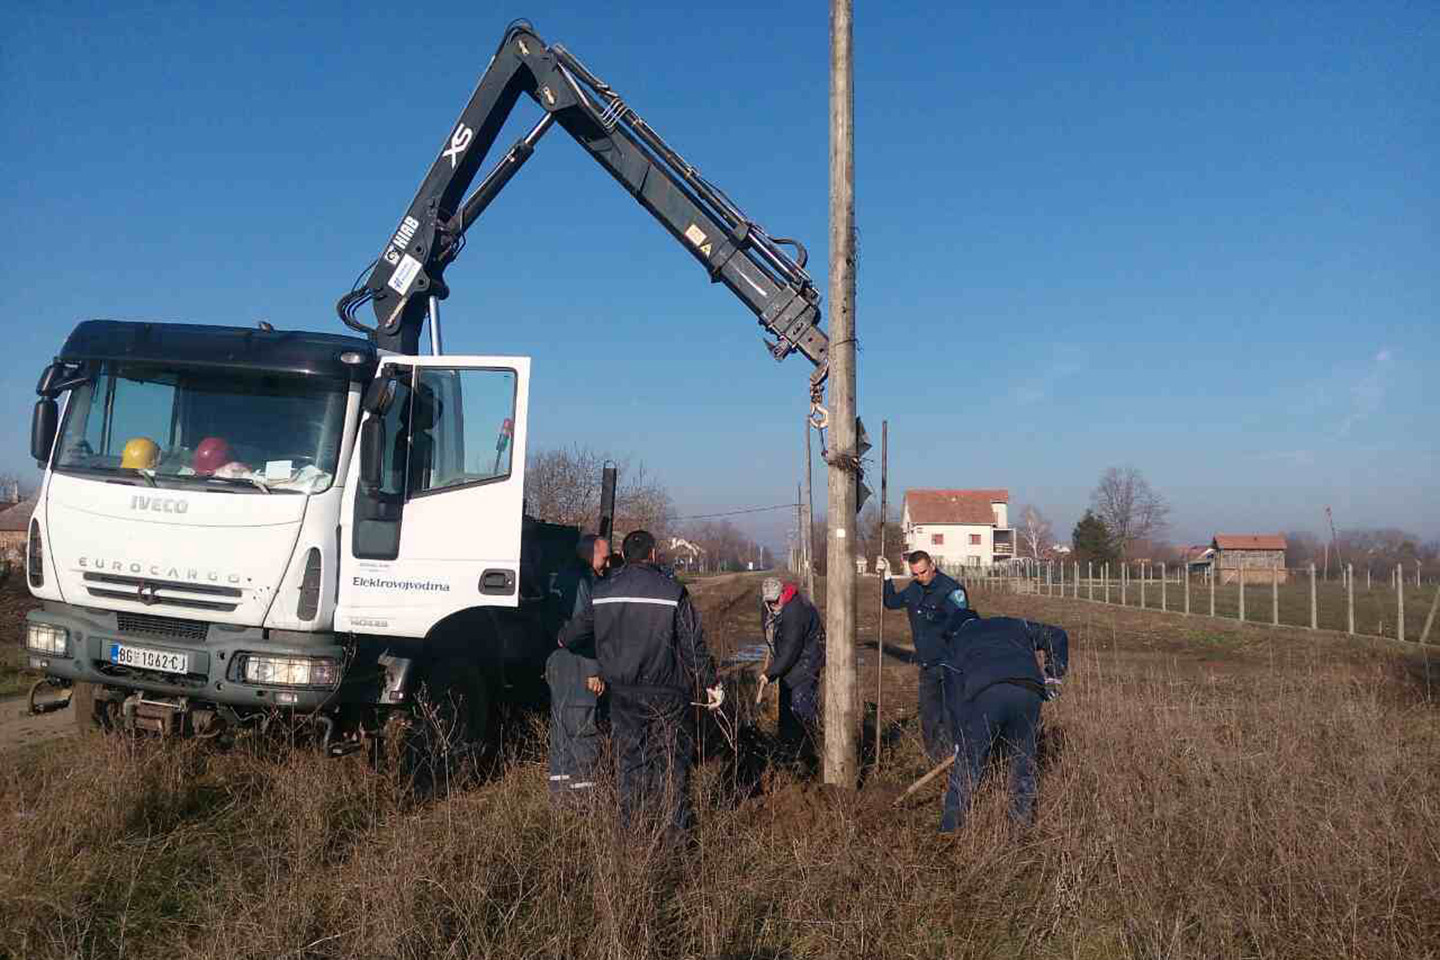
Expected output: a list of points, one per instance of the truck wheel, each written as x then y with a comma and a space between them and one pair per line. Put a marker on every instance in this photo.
92, 714
450, 730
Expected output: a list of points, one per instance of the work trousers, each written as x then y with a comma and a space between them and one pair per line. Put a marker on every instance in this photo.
654, 739
799, 714
1007, 714
934, 720
574, 736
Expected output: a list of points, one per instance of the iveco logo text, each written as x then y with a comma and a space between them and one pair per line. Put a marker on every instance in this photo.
159, 504
159, 570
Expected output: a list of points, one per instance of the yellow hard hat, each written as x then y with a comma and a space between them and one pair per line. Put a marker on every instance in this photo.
140, 453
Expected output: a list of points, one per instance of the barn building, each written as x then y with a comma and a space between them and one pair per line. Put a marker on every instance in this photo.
1255, 557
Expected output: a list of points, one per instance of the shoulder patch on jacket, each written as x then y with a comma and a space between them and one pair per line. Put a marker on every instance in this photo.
957, 597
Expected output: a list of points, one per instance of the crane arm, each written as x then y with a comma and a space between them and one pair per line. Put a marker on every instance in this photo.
734, 250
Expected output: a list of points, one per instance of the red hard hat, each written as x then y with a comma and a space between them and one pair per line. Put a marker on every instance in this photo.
212, 454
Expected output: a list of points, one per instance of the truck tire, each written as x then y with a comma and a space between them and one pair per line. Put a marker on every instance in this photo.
92, 714
451, 732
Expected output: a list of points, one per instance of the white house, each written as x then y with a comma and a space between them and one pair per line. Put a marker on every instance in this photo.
959, 527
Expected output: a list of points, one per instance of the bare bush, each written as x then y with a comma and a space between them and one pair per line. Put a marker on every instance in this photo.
563, 486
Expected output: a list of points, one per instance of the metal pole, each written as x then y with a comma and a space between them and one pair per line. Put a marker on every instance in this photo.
1350, 602
1275, 596
1400, 601
1315, 600
840, 700
437, 345
809, 533
880, 644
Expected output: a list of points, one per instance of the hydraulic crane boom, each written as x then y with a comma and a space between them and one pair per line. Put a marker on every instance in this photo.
732, 248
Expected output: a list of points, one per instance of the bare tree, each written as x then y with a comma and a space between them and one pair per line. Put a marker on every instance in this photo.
563, 486
1130, 507
1037, 535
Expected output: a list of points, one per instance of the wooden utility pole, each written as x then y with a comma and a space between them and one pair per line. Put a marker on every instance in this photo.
880, 643
841, 705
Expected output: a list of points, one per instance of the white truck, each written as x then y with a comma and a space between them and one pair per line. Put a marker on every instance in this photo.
238, 521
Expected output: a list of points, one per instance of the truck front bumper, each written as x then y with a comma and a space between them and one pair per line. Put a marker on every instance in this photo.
180, 658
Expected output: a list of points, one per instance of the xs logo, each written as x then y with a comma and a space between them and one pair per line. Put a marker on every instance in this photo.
459, 140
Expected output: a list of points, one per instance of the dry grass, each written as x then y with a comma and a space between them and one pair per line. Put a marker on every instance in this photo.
1290, 808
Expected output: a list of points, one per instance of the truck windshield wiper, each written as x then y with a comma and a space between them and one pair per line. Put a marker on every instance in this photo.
255, 482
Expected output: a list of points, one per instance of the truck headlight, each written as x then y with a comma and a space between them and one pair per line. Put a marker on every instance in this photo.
291, 671
44, 638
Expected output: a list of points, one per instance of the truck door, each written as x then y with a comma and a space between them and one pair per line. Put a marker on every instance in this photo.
439, 531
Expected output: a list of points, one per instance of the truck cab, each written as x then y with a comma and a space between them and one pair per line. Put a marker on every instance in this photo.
237, 520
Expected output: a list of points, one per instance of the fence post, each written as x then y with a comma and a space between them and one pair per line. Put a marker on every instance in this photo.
1106, 575
1400, 601
1275, 595
1350, 599
1144, 569
1124, 582
1211, 578
1090, 579
1164, 595
1367, 581
1185, 581
1314, 602
1240, 572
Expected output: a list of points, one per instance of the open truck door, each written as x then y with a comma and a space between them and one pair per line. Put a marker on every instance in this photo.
433, 508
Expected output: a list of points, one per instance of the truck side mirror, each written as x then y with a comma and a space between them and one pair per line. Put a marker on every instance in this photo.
372, 453
42, 429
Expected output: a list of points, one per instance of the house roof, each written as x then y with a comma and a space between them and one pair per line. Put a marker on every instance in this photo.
1194, 551
17, 518
954, 506
1249, 541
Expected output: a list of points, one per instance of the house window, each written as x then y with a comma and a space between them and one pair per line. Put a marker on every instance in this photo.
937, 539
974, 539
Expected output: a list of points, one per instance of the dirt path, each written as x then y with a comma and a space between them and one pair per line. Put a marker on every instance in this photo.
18, 729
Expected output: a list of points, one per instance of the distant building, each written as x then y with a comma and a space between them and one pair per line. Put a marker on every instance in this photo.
14, 526
1253, 557
959, 527
685, 555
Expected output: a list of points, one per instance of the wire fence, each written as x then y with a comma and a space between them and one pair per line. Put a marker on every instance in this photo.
1398, 607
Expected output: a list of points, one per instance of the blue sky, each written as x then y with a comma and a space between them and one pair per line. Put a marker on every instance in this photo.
1200, 239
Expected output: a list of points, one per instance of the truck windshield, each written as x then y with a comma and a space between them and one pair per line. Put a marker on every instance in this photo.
240, 431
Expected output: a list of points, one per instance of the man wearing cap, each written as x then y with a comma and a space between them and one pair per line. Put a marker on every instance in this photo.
575, 685
937, 605
797, 635
643, 629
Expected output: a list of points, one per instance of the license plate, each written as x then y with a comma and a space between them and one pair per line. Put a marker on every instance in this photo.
147, 659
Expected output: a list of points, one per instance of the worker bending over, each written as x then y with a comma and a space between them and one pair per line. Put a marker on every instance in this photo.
575, 685
995, 691
642, 628
936, 605
797, 635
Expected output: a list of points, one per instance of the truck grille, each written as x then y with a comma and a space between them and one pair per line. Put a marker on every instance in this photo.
165, 593
167, 628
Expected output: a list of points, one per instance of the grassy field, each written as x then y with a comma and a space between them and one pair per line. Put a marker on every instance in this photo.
1208, 791
1376, 611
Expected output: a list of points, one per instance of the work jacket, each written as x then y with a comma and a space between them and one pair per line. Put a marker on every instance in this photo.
935, 611
572, 590
643, 629
799, 641
985, 651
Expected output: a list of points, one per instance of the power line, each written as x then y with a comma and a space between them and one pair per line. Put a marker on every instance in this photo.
736, 513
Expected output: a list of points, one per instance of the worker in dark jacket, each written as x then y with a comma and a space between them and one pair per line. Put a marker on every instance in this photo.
995, 695
798, 638
644, 631
575, 684
936, 605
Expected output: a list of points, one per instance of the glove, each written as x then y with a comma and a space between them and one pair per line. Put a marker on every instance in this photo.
1052, 689
714, 696
595, 685
883, 565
